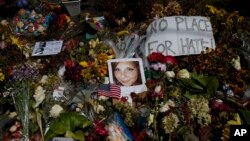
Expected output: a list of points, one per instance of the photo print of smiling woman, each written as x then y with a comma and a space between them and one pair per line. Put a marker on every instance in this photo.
128, 73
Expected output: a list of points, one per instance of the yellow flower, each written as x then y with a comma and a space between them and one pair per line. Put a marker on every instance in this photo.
221, 13
235, 121
240, 19
102, 57
19, 42
93, 43
92, 53
85, 73
84, 64
122, 33
211, 8
170, 122
226, 131
95, 20
2, 76
102, 70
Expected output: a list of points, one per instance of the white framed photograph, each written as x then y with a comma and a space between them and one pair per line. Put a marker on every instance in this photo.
128, 73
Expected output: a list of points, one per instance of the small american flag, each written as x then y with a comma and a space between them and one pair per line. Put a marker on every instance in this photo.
112, 91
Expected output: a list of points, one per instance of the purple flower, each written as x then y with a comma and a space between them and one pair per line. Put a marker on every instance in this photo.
24, 72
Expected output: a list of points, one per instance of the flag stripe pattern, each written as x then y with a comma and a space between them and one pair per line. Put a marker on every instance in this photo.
114, 92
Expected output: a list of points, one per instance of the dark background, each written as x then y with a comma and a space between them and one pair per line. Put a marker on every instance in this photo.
243, 6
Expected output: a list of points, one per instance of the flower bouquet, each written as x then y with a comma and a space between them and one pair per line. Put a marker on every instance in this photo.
22, 79
28, 23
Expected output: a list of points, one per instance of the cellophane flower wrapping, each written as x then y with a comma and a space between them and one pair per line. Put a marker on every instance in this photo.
22, 83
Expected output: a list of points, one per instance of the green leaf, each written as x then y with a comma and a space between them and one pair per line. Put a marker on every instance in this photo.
74, 120
212, 86
49, 135
33, 127
69, 134
190, 85
39, 121
188, 95
245, 115
199, 78
86, 124
79, 135
58, 127
66, 124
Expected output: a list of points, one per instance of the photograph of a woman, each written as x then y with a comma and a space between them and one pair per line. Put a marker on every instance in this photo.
126, 72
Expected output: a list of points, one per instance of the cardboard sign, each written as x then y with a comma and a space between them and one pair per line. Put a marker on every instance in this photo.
179, 35
47, 48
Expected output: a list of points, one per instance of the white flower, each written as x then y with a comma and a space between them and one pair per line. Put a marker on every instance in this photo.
208, 50
41, 28
12, 114
13, 128
170, 75
158, 66
167, 106
80, 105
27, 55
39, 96
158, 89
56, 110
171, 103
106, 80
44, 79
150, 119
61, 71
78, 109
183, 74
236, 63
81, 44
4, 22
98, 108
103, 98
164, 108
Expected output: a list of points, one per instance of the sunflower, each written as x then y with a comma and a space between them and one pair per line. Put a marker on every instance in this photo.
102, 70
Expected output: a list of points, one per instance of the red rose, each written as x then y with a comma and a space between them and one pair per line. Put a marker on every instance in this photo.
100, 128
156, 57
69, 63
124, 99
171, 60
